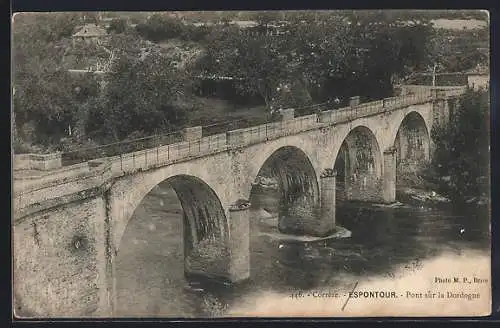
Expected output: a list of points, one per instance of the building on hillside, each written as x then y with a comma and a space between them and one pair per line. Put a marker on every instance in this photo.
441, 79
478, 77
90, 34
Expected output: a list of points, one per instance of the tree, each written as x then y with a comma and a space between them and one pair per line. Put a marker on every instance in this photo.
395, 48
458, 51
127, 44
43, 88
254, 61
267, 64
323, 55
320, 52
462, 147
117, 25
160, 27
140, 95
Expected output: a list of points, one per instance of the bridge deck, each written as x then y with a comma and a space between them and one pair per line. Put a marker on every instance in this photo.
186, 150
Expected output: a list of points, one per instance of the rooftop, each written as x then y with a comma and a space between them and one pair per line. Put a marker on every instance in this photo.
91, 30
479, 70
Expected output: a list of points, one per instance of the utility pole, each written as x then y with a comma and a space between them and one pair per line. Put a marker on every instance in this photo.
434, 75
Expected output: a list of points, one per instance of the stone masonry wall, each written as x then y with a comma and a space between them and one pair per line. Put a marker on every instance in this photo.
59, 261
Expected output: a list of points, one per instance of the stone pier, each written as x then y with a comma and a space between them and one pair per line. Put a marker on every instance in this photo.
239, 241
327, 216
389, 184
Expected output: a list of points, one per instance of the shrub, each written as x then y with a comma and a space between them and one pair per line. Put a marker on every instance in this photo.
462, 148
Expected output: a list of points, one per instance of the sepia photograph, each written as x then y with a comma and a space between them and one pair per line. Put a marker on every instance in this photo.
225, 164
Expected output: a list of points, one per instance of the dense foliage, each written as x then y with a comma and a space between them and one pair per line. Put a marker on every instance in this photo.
462, 152
159, 28
290, 59
42, 90
324, 57
459, 51
156, 84
117, 25
51, 103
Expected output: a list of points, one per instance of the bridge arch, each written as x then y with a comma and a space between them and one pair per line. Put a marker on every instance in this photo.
412, 142
417, 114
289, 172
204, 218
257, 156
359, 165
200, 190
180, 220
129, 191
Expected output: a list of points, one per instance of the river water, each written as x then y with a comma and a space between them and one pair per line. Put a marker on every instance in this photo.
149, 266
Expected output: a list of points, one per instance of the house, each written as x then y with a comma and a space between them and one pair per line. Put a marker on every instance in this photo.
90, 33
478, 77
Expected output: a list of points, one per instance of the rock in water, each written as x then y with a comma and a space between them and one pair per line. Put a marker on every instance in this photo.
210, 256
263, 214
396, 204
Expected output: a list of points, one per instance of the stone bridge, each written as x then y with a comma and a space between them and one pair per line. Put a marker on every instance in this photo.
69, 221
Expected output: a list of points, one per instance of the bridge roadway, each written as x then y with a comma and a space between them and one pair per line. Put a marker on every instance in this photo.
69, 222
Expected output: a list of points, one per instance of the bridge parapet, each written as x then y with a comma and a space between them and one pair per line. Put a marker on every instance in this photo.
196, 146
453, 92
78, 182
372, 108
37, 161
368, 108
164, 155
269, 131
24, 180
435, 91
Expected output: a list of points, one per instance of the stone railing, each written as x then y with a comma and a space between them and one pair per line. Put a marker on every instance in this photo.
23, 180
260, 133
163, 155
451, 91
373, 107
439, 91
37, 161
44, 191
195, 146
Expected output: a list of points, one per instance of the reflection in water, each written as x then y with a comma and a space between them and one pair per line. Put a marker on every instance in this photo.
150, 265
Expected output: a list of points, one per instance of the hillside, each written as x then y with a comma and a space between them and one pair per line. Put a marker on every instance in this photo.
159, 84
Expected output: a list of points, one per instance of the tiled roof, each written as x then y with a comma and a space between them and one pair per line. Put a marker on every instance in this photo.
90, 30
